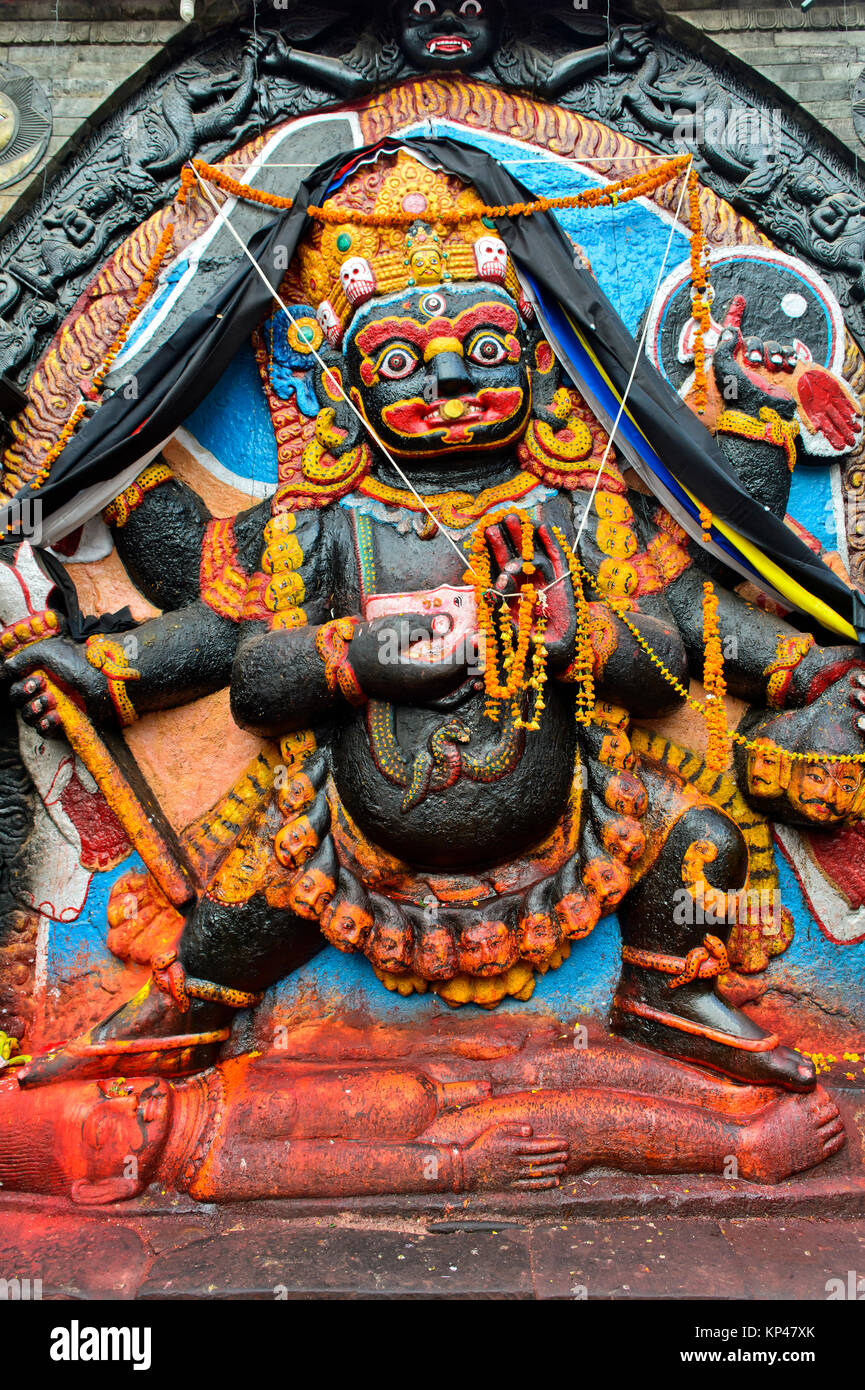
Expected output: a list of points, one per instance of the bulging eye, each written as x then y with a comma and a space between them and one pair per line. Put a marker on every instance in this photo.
472, 8
396, 363
488, 350
424, 8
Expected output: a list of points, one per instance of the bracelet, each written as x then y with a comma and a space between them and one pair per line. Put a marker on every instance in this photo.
109, 657
170, 977
769, 428
331, 643
118, 512
788, 655
28, 630
603, 641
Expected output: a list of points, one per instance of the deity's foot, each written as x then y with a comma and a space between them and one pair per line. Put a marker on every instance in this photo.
149, 1035
693, 1024
796, 1133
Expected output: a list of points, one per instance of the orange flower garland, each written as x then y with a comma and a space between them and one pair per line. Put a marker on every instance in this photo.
705, 522
639, 185
582, 669
513, 658
718, 747
700, 296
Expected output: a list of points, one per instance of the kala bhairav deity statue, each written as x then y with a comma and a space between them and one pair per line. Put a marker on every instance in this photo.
442, 624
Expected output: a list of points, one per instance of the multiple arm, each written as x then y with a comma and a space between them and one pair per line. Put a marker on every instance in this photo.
164, 535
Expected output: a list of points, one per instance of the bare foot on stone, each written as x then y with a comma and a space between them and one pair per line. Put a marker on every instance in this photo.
796, 1133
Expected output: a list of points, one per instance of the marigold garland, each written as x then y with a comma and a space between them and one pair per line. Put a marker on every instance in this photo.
639, 185
719, 745
700, 706
700, 295
582, 669
498, 647
705, 522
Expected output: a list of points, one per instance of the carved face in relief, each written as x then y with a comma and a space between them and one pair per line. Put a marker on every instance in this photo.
626, 794
824, 792
297, 841
439, 370
768, 769
127, 1118
491, 258
88, 1133
357, 279
448, 34
311, 893
607, 879
616, 539
391, 945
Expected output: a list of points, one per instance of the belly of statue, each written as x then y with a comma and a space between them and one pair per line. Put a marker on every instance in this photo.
449, 787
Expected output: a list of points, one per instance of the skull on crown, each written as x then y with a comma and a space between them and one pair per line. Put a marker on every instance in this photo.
328, 321
358, 280
491, 258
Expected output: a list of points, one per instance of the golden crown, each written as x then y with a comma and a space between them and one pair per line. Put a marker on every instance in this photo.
340, 265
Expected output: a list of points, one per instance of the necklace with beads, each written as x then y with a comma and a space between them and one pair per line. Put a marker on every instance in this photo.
454, 510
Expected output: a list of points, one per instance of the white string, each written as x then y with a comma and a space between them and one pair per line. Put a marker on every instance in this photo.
334, 382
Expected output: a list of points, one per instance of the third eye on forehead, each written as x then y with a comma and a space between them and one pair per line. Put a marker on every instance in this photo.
405, 319
431, 302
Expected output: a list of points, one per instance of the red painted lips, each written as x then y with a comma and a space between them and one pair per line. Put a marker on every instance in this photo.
417, 416
448, 45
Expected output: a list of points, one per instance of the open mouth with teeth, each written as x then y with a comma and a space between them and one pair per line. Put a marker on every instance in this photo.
449, 46
456, 415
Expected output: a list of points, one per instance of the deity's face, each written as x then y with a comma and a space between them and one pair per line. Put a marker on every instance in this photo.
448, 33
124, 1117
438, 370
824, 792
83, 1134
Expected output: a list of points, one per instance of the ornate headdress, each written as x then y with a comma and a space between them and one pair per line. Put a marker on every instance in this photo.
340, 265
384, 233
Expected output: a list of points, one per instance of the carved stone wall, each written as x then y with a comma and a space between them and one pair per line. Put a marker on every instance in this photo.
815, 56
84, 52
